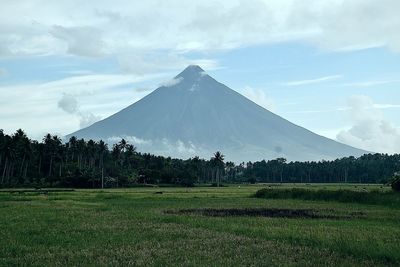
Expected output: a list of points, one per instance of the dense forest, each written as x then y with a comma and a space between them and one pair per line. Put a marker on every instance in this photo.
90, 164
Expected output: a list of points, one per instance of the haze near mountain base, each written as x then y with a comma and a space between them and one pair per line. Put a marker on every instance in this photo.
194, 114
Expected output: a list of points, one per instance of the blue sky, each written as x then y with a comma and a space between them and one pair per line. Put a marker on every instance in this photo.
330, 66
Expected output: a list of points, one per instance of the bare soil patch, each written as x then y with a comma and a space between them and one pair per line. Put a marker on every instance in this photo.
266, 212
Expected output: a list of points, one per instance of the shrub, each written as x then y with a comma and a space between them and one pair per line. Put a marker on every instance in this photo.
373, 197
396, 182
252, 180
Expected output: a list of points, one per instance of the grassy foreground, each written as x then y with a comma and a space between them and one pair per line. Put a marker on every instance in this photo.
140, 226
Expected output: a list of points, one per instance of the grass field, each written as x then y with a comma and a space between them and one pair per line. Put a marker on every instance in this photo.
141, 226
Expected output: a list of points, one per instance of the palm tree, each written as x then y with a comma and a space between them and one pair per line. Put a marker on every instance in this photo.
8, 153
91, 153
72, 145
2, 140
27, 150
218, 163
122, 145
102, 150
80, 148
52, 149
48, 149
130, 152
230, 168
281, 163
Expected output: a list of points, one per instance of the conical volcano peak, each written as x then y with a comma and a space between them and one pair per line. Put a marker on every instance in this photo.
191, 72
193, 114
193, 68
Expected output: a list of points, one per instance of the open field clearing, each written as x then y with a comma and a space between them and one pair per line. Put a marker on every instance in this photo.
199, 226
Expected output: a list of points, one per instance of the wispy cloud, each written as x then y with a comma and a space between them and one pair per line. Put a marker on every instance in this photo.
370, 83
313, 81
341, 109
311, 111
385, 106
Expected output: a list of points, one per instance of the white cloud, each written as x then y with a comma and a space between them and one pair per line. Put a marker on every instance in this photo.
259, 97
370, 83
342, 109
370, 130
63, 106
386, 106
80, 41
178, 148
126, 27
68, 103
130, 139
203, 74
3, 72
87, 118
318, 111
313, 81
172, 82
142, 62
163, 146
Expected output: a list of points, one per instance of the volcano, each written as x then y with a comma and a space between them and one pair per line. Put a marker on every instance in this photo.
194, 114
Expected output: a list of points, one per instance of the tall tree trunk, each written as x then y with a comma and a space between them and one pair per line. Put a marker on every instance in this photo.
26, 170
51, 165
4, 171
40, 166
22, 166
217, 177
102, 177
9, 172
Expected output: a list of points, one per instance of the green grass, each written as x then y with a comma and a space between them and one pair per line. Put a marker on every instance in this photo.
129, 227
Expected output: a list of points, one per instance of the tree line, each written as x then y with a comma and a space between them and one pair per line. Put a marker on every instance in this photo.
92, 164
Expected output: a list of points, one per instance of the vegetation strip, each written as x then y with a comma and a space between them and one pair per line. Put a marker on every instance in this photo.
266, 212
80, 163
391, 199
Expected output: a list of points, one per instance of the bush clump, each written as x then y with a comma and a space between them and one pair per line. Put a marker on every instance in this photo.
396, 182
372, 197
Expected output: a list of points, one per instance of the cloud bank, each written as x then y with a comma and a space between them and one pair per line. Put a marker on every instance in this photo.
89, 30
163, 146
370, 130
65, 105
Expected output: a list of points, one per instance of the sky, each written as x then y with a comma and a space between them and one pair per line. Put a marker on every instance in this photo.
330, 66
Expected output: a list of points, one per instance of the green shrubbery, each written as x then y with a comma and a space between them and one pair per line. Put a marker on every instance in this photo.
395, 183
372, 197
